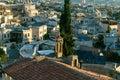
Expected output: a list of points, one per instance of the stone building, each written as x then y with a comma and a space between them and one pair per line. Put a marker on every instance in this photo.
21, 35
111, 23
73, 60
5, 35
5, 13
38, 30
59, 46
30, 10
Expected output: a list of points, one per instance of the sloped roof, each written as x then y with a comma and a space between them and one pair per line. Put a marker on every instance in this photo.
112, 22
43, 70
49, 69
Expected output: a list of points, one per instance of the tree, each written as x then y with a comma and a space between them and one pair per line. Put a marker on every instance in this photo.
46, 36
1, 44
99, 43
3, 56
66, 30
111, 56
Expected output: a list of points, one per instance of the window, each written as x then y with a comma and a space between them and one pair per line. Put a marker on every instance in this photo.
91, 30
25, 35
28, 34
4, 35
40, 32
34, 35
8, 35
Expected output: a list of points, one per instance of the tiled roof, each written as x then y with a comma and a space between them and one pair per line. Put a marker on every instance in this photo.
112, 22
43, 70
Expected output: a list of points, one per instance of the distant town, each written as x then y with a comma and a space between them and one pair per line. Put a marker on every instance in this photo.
34, 46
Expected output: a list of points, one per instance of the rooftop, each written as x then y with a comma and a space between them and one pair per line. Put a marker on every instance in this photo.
39, 24
20, 28
110, 22
48, 69
49, 42
27, 50
46, 52
83, 37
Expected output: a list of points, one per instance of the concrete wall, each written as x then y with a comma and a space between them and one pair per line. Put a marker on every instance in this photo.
27, 35
39, 32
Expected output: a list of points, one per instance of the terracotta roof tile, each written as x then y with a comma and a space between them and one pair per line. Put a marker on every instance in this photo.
43, 70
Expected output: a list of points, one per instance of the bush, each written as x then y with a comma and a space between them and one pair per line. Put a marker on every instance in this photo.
111, 56
12, 46
3, 56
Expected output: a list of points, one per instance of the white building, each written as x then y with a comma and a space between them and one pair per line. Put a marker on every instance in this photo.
5, 34
27, 35
118, 69
32, 50
5, 13
22, 34
112, 24
38, 30
30, 10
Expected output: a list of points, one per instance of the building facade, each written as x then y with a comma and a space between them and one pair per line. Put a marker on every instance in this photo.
30, 10
21, 35
38, 31
5, 35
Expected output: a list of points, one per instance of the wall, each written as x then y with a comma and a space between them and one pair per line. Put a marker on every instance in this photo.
27, 35
5, 35
6, 77
110, 40
39, 32
114, 27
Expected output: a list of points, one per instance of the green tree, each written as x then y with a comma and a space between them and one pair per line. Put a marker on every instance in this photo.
111, 56
3, 56
66, 30
46, 36
99, 43
1, 44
